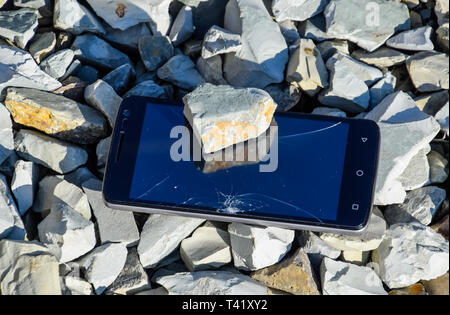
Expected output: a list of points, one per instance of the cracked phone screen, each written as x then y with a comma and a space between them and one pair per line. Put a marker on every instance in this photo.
305, 184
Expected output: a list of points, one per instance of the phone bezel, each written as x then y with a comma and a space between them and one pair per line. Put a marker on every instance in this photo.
349, 220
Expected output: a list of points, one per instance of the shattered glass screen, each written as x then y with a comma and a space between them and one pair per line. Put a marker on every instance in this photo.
306, 183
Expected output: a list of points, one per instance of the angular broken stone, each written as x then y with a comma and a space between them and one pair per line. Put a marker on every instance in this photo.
18, 68
429, 71
297, 10
103, 97
206, 14
258, 63
103, 265
223, 115
356, 257
255, 247
442, 118
207, 248
147, 88
329, 47
76, 286
417, 172
409, 253
420, 205
211, 70
306, 68
42, 46
398, 115
381, 58
55, 115
316, 248
93, 50
382, 88
220, 41
66, 233
161, 234
120, 78
315, 29
71, 16
294, 275
289, 32
211, 282
102, 151
6, 134
340, 278
417, 39
438, 286
442, 34
11, 225
18, 26
438, 168
327, 111
114, 226
155, 51
23, 184
368, 23
286, 96
183, 26
56, 65
181, 71
129, 38
72, 88
44, 198
62, 157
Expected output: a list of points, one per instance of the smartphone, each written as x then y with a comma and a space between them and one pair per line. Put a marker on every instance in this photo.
306, 172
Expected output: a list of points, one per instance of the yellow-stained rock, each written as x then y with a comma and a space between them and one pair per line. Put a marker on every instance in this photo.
415, 289
438, 286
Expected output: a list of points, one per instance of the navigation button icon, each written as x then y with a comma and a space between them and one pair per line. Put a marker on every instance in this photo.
363, 139
359, 173
355, 206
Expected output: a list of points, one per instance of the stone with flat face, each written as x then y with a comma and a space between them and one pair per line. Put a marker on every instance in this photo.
416, 39
23, 184
223, 115
11, 225
42, 45
129, 38
120, 78
56, 65
183, 26
103, 97
296, 10
220, 41
71, 16
181, 71
155, 51
382, 88
417, 172
429, 71
18, 26
211, 70
6, 134
381, 58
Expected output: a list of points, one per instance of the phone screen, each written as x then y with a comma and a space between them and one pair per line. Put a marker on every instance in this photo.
304, 166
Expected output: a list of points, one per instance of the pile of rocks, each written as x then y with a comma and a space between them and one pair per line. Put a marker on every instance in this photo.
66, 65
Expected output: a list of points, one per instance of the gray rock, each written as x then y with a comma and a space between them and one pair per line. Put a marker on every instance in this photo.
11, 225
217, 112
211, 282
381, 58
157, 291
442, 118
297, 10
420, 205
306, 68
180, 71
255, 247
207, 248
382, 88
147, 88
369, 240
129, 38
79, 176
289, 32
76, 286
42, 46
340, 278
23, 184
93, 50
63, 118
103, 97
87, 74
329, 112
66, 233
315, 29
398, 115
417, 172
438, 168
114, 226
44, 198
103, 265
329, 47
6, 134
183, 26
211, 70
102, 151
132, 279
220, 41
429, 71
316, 248
285, 96
18, 68
417, 39
120, 78
71, 16
442, 37
258, 63
18, 26
368, 23
161, 234
206, 14
62, 157
124, 14
431, 103
56, 65
155, 51
410, 253
441, 9
7, 167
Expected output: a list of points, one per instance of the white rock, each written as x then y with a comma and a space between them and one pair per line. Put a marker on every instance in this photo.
220, 41
207, 248
356, 257
104, 264
429, 71
161, 234
417, 172
405, 130
23, 184
340, 278
382, 58
297, 10
442, 118
382, 88
75, 18
18, 68
183, 26
18, 25
329, 47
103, 97
113, 225
441, 9
264, 54
67, 233
369, 240
6, 134
416, 39
77, 286
211, 282
255, 247
56, 65
290, 32
180, 71
316, 248
329, 112
11, 225
410, 253
420, 205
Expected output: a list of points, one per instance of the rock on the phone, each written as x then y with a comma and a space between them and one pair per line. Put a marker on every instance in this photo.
429, 71
103, 97
18, 26
220, 41
23, 184
418, 39
71, 16
11, 225
223, 115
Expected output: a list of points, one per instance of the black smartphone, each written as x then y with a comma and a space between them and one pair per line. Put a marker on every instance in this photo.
306, 172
